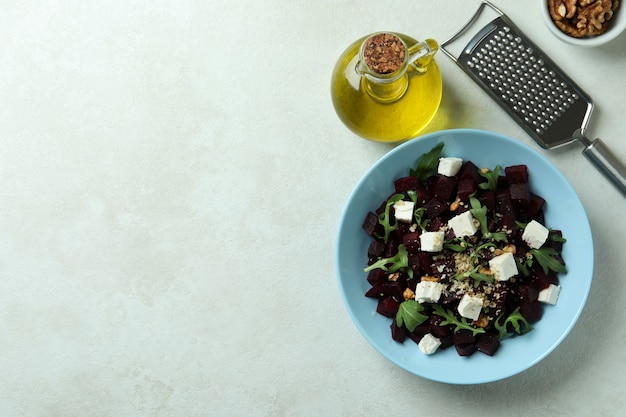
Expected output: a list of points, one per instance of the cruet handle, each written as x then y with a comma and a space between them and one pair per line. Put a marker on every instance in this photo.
421, 54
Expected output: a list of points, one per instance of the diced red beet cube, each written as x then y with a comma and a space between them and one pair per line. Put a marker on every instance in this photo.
469, 171
403, 229
370, 224
465, 188
402, 185
422, 194
507, 222
528, 292
411, 241
446, 342
391, 249
393, 289
487, 344
449, 299
436, 328
445, 188
375, 249
415, 264
465, 350
464, 337
398, 333
516, 174
544, 280
504, 205
444, 266
487, 198
531, 312
376, 275
434, 208
426, 260
419, 332
376, 291
431, 181
520, 194
436, 224
536, 204
387, 306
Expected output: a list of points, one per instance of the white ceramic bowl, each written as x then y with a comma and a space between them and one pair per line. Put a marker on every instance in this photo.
564, 211
617, 26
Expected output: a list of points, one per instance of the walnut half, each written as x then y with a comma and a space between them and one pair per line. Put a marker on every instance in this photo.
580, 18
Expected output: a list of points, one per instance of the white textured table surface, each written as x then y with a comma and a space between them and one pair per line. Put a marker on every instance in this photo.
172, 177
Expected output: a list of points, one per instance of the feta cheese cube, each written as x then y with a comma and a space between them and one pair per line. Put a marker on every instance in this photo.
549, 295
403, 211
503, 266
535, 234
470, 306
463, 224
429, 344
431, 241
428, 291
449, 166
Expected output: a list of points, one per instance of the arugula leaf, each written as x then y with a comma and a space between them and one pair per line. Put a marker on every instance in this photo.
458, 244
522, 267
476, 276
516, 320
451, 318
492, 179
384, 218
410, 315
427, 163
480, 213
399, 261
419, 218
545, 258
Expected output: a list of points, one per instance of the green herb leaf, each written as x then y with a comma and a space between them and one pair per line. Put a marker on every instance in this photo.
545, 258
480, 213
385, 220
522, 267
427, 163
451, 318
516, 320
458, 244
400, 261
410, 315
418, 213
491, 177
478, 278
419, 218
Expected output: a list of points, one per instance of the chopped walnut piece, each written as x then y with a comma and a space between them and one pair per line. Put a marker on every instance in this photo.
580, 18
408, 294
430, 278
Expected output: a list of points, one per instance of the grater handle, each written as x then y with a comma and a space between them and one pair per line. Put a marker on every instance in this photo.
602, 157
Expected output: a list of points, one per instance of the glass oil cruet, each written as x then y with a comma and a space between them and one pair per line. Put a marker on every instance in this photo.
386, 87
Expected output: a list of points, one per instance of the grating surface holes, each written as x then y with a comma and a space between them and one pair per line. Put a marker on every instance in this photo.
512, 71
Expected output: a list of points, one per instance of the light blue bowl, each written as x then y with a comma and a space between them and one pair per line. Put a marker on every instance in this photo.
563, 210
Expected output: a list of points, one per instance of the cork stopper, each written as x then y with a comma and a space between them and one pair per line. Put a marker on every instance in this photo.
384, 53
